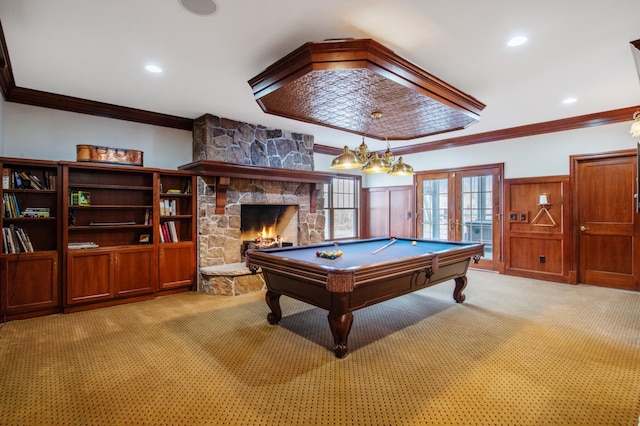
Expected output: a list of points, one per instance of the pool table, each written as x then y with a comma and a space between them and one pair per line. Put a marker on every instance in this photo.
367, 272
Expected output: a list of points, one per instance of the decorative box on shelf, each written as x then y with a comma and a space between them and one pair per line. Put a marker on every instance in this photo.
104, 154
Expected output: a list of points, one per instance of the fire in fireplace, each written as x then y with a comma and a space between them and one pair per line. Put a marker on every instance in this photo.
268, 225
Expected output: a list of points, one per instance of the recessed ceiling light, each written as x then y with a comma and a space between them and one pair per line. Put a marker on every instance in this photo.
153, 68
200, 7
517, 41
569, 101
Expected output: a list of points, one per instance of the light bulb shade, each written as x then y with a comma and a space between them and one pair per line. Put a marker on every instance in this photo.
346, 160
375, 164
635, 127
399, 168
544, 199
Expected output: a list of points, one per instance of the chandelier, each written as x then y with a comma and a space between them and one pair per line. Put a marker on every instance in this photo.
371, 162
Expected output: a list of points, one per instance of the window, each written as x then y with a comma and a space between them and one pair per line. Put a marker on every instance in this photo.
341, 198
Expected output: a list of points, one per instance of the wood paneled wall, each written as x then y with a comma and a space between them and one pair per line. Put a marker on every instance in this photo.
390, 211
535, 247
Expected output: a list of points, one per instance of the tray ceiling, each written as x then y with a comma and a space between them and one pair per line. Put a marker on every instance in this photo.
339, 84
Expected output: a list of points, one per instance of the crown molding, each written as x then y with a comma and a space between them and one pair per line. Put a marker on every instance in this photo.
68, 103
572, 123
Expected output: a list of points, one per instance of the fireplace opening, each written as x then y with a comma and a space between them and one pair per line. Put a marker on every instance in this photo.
268, 225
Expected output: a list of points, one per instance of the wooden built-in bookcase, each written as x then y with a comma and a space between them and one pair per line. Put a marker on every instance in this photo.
30, 279
177, 202
99, 242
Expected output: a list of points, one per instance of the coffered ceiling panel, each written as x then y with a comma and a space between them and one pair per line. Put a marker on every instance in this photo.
339, 84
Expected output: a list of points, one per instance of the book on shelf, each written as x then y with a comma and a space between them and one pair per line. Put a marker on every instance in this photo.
168, 232
25, 180
16, 240
11, 209
174, 191
168, 207
82, 245
172, 230
111, 223
7, 178
19, 234
27, 240
50, 180
148, 217
7, 241
36, 212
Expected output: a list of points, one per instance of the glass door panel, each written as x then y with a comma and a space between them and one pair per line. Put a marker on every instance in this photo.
435, 209
477, 211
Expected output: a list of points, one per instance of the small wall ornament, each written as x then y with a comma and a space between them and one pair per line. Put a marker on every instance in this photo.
544, 203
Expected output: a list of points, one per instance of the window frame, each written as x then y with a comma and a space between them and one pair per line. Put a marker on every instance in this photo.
330, 209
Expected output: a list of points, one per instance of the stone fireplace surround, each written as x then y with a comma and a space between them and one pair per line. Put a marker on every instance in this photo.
263, 166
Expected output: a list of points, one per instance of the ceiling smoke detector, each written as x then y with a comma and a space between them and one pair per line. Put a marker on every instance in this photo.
200, 7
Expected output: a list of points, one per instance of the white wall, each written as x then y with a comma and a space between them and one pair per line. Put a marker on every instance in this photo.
48, 134
42, 133
532, 156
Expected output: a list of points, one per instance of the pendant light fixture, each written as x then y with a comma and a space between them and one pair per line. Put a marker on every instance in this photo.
371, 162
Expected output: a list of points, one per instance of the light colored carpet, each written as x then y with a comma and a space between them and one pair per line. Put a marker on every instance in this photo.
517, 352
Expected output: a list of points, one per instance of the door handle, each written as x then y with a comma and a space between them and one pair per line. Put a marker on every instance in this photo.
450, 224
584, 228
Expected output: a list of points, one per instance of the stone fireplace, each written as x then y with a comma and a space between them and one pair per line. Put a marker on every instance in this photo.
279, 182
268, 226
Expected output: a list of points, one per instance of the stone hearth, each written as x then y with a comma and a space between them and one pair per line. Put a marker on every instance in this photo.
219, 233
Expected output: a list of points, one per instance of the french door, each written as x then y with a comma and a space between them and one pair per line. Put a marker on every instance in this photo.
462, 205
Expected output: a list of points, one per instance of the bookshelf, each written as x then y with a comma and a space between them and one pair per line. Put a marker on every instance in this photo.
176, 230
107, 212
93, 233
29, 273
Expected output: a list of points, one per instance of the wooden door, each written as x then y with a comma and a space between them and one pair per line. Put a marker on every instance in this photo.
606, 220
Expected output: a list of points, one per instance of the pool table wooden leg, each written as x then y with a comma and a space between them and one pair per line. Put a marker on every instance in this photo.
273, 301
461, 283
340, 327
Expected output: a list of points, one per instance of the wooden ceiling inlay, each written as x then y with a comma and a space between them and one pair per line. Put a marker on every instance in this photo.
339, 85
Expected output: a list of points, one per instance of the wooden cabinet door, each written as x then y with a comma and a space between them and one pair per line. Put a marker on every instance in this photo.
177, 265
607, 225
30, 282
89, 276
135, 271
